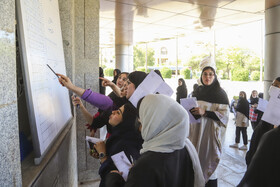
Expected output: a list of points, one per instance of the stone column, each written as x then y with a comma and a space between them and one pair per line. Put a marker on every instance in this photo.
86, 65
272, 43
124, 57
67, 16
10, 167
124, 37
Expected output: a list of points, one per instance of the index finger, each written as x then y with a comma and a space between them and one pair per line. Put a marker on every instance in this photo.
63, 76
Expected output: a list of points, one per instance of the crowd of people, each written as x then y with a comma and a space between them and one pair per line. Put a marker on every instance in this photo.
163, 146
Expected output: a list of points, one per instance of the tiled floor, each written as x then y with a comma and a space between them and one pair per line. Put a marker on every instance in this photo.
232, 166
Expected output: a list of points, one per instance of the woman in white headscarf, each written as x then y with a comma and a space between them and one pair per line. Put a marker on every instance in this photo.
168, 158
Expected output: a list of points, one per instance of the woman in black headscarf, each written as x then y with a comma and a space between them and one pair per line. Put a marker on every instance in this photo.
102, 89
182, 91
116, 74
134, 80
207, 135
242, 121
124, 137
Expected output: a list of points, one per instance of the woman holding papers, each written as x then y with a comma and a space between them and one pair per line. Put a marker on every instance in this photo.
134, 80
207, 135
167, 158
124, 137
242, 121
260, 130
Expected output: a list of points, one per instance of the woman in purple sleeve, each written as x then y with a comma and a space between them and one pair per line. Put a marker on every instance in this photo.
105, 103
100, 101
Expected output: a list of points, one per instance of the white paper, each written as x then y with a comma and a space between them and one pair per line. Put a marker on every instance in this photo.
164, 89
92, 140
153, 83
271, 114
122, 163
262, 104
189, 103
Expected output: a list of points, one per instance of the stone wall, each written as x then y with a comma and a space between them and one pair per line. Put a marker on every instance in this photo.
80, 31
10, 173
86, 76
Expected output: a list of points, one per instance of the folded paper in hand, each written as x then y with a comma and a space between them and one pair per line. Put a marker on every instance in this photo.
92, 140
152, 84
271, 113
262, 104
122, 163
188, 104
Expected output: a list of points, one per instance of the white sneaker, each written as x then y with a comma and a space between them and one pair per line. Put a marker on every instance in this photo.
244, 147
234, 145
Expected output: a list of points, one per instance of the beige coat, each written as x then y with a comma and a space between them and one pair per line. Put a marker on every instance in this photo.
241, 120
208, 136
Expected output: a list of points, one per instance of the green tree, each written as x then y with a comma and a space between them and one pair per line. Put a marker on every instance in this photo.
236, 58
186, 73
238, 55
194, 62
166, 72
223, 63
240, 74
139, 57
255, 76
108, 72
253, 64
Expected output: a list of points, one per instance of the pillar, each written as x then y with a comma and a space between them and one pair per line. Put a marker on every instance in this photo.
272, 43
10, 168
124, 37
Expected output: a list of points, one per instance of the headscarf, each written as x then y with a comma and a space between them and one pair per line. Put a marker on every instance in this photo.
102, 89
243, 105
159, 73
254, 100
128, 119
137, 77
126, 128
183, 87
182, 91
165, 128
183, 83
211, 93
116, 76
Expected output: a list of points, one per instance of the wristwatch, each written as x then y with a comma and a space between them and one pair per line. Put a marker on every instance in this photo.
101, 155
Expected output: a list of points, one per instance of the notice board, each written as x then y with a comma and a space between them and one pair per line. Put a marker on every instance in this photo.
40, 42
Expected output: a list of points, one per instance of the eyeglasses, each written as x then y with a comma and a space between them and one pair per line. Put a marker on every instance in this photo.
208, 74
